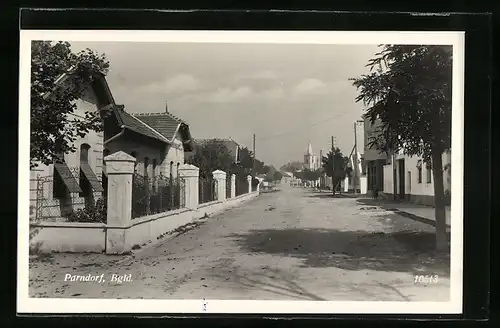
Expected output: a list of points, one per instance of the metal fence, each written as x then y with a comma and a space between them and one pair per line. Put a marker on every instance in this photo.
50, 199
207, 190
241, 186
156, 195
228, 188
255, 183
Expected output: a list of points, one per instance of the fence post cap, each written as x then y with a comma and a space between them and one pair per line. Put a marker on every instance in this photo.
249, 177
219, 173
120, 156
186, 166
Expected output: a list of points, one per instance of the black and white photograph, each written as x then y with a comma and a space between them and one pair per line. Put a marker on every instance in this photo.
229, 172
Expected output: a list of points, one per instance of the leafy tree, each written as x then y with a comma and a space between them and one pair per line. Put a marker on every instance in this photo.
310, 175
53, 131
292, 167
409, 90
335, 165
213, 155
277, 176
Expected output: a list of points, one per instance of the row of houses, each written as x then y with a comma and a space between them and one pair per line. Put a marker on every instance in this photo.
160, 142
399, 176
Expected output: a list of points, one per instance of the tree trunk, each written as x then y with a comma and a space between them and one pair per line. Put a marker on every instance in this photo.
439, 203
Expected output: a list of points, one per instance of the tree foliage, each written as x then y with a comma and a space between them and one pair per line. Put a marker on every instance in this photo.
335, 165
277, 176
292, 167
213, 155
409, 90
53, 130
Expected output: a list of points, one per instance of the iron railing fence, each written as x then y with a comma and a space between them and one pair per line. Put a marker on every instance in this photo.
228, 188
207, 190
241, 186
156, 195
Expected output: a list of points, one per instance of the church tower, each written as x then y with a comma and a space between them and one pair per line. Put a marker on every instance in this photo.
309, 158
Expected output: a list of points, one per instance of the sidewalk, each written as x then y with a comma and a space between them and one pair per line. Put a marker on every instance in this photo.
417, 212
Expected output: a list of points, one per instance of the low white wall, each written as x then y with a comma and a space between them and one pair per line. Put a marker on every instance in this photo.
69, 237
91, 237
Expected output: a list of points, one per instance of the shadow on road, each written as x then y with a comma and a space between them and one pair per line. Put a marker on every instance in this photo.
273, 281
403, 251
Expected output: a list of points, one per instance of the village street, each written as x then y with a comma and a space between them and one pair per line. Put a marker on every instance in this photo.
293, 244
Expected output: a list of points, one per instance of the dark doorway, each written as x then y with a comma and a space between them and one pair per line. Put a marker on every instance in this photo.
401, 178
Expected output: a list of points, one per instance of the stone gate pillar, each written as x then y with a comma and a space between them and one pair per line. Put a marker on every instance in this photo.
191, 176
220, 177
120, 170
233, 185
249, 179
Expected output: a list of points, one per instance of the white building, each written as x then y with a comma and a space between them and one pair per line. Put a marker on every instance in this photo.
414, 179
311, 161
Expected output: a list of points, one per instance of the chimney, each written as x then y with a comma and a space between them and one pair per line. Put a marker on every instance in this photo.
166, 107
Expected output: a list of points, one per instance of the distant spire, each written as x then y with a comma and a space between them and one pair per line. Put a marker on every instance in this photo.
309, 149
166, 106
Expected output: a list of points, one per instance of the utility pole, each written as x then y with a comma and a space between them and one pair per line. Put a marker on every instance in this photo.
253, 169
333, 164
321, 178
355, 159
394, 176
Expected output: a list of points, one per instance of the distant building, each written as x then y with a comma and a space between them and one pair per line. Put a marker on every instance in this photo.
311, 161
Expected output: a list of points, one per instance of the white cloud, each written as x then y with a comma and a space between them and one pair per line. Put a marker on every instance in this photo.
225, 95
311, 86
262, 75
274, 93
177, 84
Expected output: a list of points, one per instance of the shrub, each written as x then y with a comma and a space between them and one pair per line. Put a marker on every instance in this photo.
92, 213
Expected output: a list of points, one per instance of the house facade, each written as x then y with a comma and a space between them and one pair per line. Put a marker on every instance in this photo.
78, 179
414, 181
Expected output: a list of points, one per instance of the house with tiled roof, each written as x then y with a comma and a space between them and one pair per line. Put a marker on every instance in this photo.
156, 140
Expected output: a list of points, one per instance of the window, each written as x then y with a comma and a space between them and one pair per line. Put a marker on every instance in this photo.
171, 170
154, 167
84, 183
419, 173
84, 153
146, 166
178, 164
428, 168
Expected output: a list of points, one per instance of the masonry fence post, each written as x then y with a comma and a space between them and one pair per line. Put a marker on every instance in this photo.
249, 179
220, 177
191, 176
120, 170
233, 185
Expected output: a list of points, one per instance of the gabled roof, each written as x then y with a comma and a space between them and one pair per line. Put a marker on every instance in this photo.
164, 123
130, 122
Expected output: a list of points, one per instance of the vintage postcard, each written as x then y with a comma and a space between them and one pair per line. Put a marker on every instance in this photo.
240, 172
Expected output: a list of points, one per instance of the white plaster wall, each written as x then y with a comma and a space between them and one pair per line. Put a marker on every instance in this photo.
70, 237
423, 188
175, 154
388, 179
142, 150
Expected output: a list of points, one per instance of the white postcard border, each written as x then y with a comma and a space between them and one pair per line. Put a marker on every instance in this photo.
25, 304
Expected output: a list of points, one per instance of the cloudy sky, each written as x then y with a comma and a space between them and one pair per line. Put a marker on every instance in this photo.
288, 95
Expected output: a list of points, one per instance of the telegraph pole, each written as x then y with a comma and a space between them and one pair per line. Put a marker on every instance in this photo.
355, 159
253, 169
333, 164
321, 178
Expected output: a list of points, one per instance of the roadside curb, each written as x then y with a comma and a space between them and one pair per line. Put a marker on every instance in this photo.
412, 216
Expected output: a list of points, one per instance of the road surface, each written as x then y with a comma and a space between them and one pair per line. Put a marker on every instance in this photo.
292, 244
